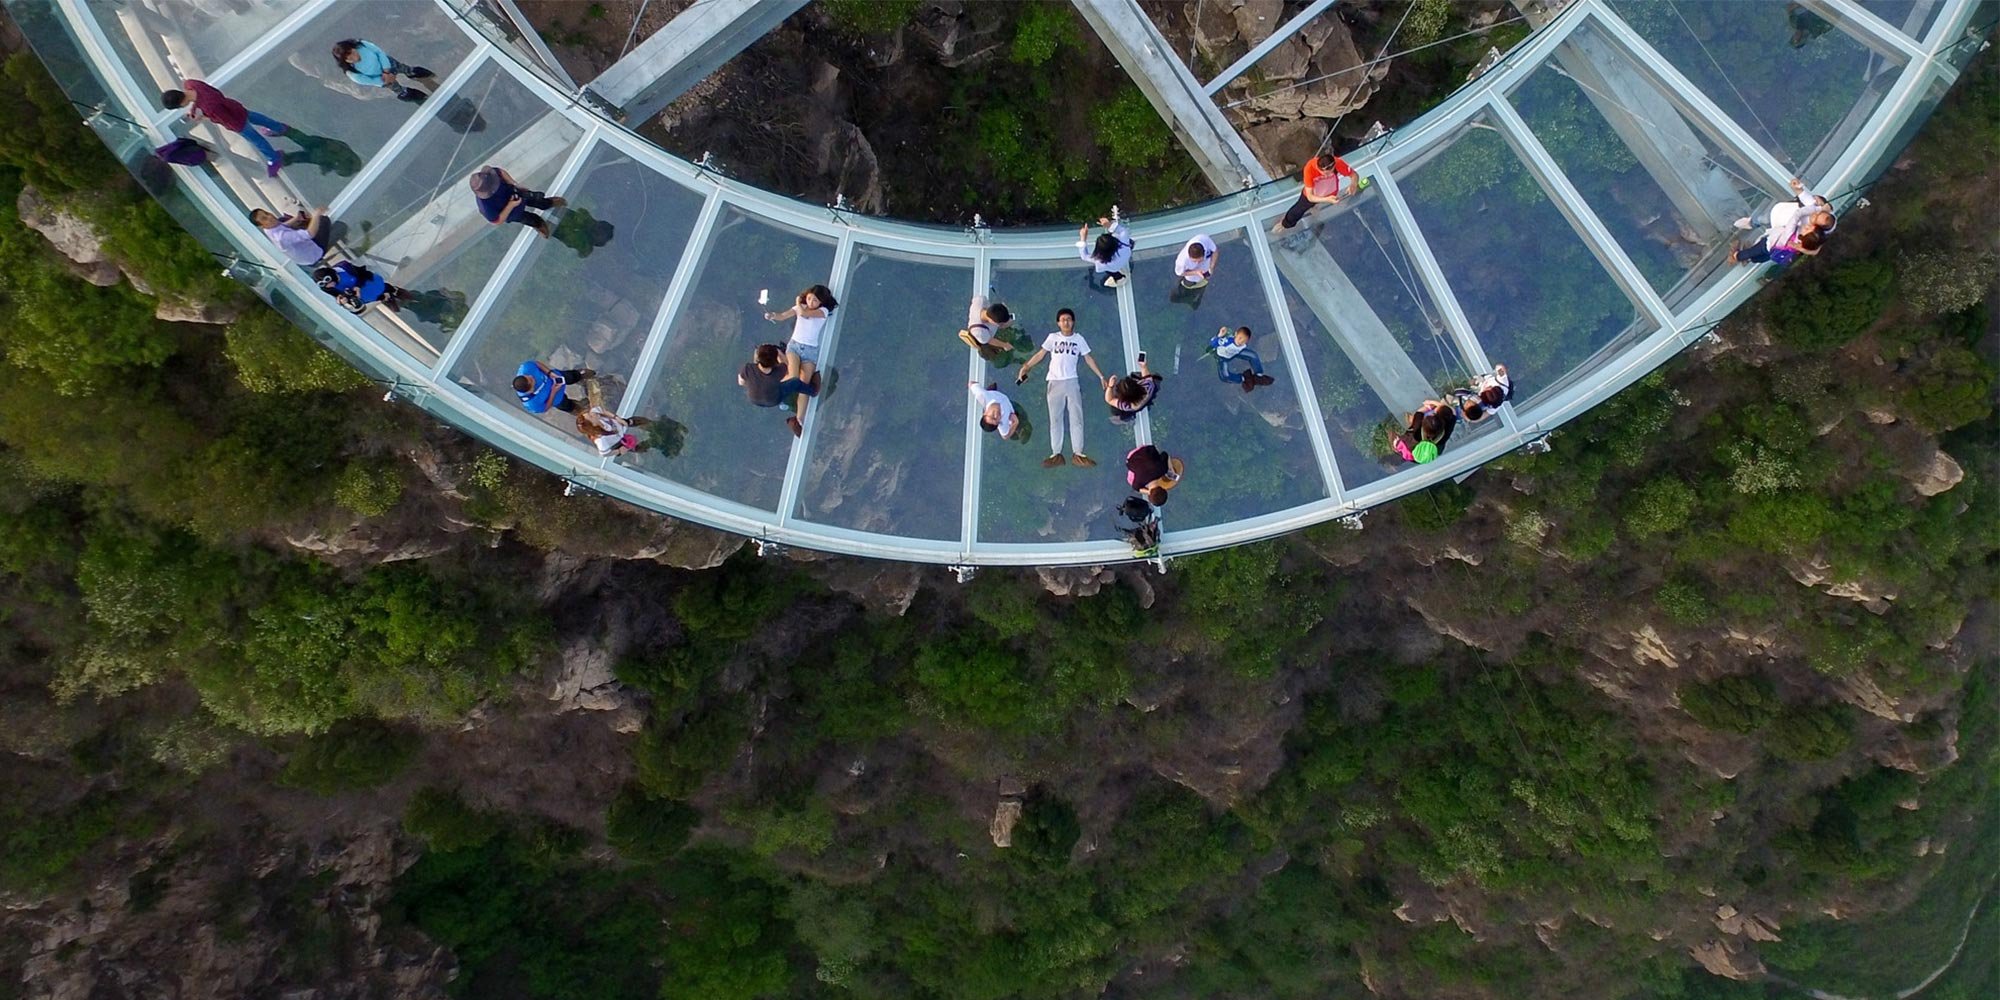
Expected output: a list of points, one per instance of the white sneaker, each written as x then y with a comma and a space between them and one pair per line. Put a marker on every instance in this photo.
1113, 282
1743, 223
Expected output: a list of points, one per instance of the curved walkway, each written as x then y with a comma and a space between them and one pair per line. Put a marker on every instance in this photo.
1567, 214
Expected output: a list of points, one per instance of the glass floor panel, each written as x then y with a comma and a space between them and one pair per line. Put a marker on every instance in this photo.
1364, 247
587, 296
1020, 501
1912, 17
418, 224
731, 449
338, 124
1576, 105
888, 454
163, 42
1791, 98
1536, 298
1247, 453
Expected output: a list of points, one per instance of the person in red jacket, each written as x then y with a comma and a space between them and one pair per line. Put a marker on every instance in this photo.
1322, 187
209, 104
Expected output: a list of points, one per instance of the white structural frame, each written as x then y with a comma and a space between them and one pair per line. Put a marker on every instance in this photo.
1672, 330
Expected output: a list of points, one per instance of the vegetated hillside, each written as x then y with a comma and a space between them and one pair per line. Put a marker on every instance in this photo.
299, 692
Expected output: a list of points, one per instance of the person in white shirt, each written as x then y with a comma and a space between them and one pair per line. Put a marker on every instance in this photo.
996, 412
983, 324
809, 313
1063, 348
1787, 219
609, 432
1488, 391
1192, 269
1109, 256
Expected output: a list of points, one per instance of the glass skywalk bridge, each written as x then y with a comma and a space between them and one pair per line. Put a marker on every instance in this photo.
1567, 214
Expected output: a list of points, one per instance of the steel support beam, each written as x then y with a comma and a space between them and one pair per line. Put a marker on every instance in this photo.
968, 512
829, 341
670, 307
1349, 320
1863, 26
1225, 159
406, 133
1263, 48
678, 56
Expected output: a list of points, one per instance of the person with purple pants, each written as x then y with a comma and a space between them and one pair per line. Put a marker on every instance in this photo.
209, 104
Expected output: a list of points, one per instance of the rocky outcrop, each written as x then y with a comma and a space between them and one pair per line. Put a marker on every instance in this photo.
880, 586
1075, 581
78, 241
1937, 475
1818, 573
1728, 959
1315, 74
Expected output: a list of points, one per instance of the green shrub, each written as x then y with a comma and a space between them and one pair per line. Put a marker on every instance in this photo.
1737, 703
357, 753
1953, 387
1819, 308
38, 845
1044, 28
39, 133
271, 355
1437, 508
1684, 602
870, 17
1940, 281
644, 828
445, 822
1810, 732
673, 762
369, 488
1132, 134
1659, 507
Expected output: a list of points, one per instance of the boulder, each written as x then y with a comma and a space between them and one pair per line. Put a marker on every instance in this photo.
1727, 959
1941, 473
1075, 581
1005, 815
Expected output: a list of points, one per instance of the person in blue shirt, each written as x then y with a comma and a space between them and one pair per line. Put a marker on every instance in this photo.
503, 200
365, 63
354, 286
1228, 346
541, 387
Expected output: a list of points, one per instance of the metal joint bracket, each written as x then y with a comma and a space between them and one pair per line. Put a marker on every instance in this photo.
230, 267
1352, 522
1539, 446
767, 548
838, 208
965, 572
1710, 339
979, 232
1159, 564
707, 165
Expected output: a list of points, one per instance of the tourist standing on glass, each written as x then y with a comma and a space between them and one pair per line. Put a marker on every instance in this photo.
1192, 269
1322, 187
767, 383
503, 200
209, 104
1063, 348
809, 312
1109, 256
365, 63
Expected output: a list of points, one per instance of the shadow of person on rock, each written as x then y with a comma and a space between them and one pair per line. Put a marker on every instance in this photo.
331, 156
582, 232
442, 306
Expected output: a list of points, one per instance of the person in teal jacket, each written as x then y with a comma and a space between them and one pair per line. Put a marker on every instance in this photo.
365, 63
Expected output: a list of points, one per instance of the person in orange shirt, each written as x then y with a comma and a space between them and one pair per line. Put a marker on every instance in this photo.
1322, 187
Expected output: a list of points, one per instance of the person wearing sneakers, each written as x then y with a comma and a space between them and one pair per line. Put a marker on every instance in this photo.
1130, 394
365, 63
983, 324
996, 412
1063, 348
809, 312
304, 236
503, 200
1109, 256
1322, 187
767, 382
610, 433
205, 103
1192, 269
541, 387
1235, 346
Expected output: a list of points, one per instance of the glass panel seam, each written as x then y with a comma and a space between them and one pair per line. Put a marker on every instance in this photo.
496, 284
1582, 218
255, 52
1288, 340
406, 133
797, 462
968, 524
692, 261
1128, 332
1864, 26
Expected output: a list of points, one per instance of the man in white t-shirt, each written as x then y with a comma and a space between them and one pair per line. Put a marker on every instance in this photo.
1063, 348
1192, 269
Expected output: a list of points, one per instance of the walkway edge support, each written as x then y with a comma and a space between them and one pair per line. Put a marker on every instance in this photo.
1288, 339
690, 47
968, 514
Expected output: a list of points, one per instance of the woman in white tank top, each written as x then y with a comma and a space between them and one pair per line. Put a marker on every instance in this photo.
809, 313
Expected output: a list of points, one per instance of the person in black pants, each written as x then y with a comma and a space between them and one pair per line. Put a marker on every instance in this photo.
502, 200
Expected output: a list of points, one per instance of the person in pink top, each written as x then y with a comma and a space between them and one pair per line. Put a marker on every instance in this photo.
210, 104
